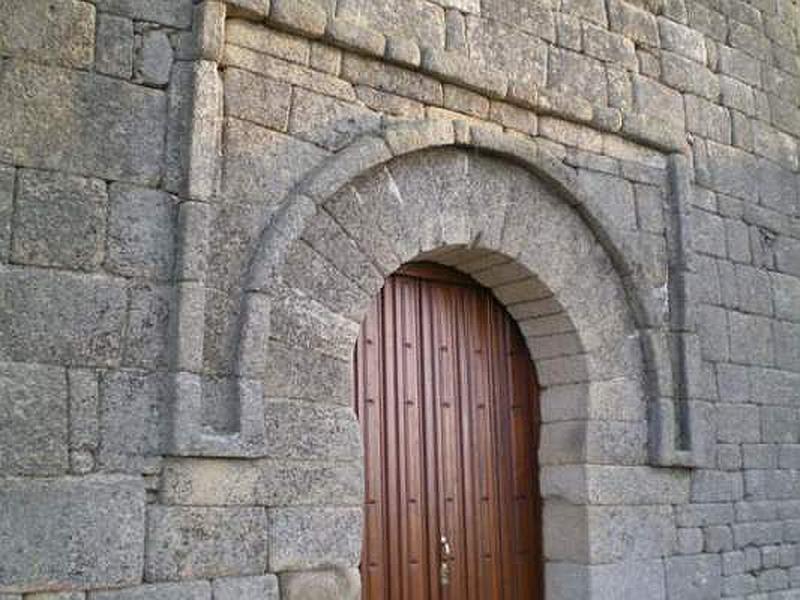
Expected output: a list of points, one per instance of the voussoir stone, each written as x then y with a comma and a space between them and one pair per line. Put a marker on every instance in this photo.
71, 533
59, 119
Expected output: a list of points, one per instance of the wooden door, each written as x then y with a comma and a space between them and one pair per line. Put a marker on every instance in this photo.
447, 399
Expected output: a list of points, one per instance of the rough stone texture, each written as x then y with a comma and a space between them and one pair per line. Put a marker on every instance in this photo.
205, 542
58, 317
177, 13
71, 533
60, 220
141, 232
35, 103
33, 425
114, 46
154, 59
190, 590
46, 31
343, 584
310, 538
264, 587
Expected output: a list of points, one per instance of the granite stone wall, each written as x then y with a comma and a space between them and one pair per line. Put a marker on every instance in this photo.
199, 199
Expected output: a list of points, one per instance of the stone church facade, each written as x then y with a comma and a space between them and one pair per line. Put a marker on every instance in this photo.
200, 201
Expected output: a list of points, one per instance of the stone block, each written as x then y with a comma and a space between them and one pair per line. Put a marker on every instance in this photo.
255, 36
304, 16
60, 220
349, 34
633, 22
185, 542
141, 232
611, 197
455, 67
737, 423
708, 233
777, 187
303, 538
44, 31
261, 166
133, 418
36, 105
421, 21
578, 74
731, 171
47, 316
609, 485
610, 47
33, 425
737, 64
257, 99
716, 486
538, 19
7, 183
153, 59
176, 13
114, 46
653, 98
392, 79
688, 76
591, 10
302, 430
682, 40
147, 337
751, 339
71, 533
189, 590
498, 46
264, 587
694, 577
570, 581
329, 122
342, 584
780, 425
786, 295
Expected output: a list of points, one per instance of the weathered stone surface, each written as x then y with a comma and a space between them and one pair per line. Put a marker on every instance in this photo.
44, 31
257, 99
261, 166
329, 122
7, 182
33, 420
303, 430
311, 538
694, 577
416, 19
268, 482
610, 47
147, 337
499, 46
60, 220
133, 419
114, 46
392, 79
154, 58
46, 316
185, 542
633, 22
176, 13
71, 533
190, 590
275, 43
342, 584
578, 74
141, 232
37, 105
264, 587
570, 581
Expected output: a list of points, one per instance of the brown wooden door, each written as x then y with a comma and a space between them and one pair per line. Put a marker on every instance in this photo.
447, 399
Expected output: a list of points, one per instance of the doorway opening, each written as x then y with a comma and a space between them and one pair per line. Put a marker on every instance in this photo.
448, 402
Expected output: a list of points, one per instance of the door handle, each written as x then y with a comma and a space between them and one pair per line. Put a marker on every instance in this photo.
445, 556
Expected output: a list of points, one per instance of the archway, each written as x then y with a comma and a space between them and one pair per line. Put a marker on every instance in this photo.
447, 399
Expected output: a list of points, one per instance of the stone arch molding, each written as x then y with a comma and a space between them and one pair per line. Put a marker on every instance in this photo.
493, 204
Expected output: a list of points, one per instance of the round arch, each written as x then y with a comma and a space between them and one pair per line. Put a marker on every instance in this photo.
499, 209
